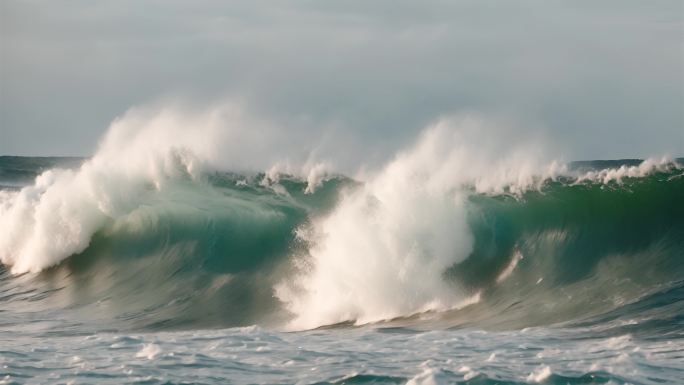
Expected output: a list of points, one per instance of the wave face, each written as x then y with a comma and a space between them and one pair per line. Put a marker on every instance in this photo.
226, 249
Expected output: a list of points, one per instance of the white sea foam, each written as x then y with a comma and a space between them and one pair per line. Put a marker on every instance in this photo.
539, 374
429, 376
505, 273
383, 251
149, 351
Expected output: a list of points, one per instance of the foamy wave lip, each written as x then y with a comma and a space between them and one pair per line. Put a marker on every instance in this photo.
516, 182
315, 173
645, 168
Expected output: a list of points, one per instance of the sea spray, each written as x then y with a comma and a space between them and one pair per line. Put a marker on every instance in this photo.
383, 251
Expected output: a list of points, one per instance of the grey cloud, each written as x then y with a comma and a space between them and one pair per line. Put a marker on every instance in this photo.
603, 79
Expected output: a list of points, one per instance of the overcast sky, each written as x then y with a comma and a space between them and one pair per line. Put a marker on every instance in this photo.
602, 79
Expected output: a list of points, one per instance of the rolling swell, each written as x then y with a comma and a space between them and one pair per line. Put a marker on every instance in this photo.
209, 254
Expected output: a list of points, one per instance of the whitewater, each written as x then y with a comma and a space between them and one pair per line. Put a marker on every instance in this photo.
205, 247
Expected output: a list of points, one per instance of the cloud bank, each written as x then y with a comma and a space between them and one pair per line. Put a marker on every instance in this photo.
601, 79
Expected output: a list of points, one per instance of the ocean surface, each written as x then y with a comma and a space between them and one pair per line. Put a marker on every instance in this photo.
171, 273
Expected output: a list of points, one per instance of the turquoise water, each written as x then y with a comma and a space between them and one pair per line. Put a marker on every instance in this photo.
241, 278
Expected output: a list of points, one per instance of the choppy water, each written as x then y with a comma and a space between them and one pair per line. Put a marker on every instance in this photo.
351, 356
129, 273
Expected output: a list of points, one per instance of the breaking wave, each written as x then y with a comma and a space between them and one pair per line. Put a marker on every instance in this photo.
151, 232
